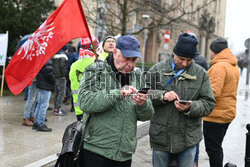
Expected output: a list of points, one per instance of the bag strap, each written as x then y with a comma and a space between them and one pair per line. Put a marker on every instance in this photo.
82, 137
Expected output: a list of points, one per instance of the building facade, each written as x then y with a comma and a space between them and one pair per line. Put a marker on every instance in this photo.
207, 23
148, 20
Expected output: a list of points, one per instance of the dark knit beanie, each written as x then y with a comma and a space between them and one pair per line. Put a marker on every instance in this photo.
218, 44
186, 46
107, 37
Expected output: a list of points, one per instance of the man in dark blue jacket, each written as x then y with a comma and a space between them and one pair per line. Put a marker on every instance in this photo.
45, 84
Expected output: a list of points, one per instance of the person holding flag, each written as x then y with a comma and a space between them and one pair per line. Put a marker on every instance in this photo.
86, 57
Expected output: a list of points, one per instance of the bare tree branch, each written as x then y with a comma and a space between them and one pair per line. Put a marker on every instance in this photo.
119, 12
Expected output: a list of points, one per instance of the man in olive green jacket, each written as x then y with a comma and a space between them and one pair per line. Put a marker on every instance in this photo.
110, 96
176, 126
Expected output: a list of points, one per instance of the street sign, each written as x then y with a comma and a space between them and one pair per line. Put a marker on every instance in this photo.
166, 39
246, 43
167, 36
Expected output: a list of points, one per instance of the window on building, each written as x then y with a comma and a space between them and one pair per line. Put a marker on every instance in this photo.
182, 5
134, 20
197, 16
156, 1
218, 8
117, 13
170, 2
191, 10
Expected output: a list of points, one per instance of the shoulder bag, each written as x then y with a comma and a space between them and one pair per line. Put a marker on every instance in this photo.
73, 141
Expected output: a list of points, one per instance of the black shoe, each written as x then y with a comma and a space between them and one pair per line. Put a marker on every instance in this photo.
72, 109
49, 108
43, 128
59, 112
34, 127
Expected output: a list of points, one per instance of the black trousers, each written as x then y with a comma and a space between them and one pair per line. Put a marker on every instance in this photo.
213, 136
90, 159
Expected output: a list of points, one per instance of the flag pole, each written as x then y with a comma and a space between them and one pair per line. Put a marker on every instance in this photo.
93, 46
3, 75
2, 81
87, 27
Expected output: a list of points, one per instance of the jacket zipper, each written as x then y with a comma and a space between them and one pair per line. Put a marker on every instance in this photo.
120, 139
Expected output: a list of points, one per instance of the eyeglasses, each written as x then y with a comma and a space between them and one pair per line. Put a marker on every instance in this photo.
110, 41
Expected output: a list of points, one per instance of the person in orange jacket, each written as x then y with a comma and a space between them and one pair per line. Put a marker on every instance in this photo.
224, 76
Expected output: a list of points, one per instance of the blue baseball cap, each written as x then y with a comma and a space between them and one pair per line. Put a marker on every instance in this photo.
129, 46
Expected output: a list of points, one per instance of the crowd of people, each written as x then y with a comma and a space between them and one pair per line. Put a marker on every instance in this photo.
68, 64
183, 91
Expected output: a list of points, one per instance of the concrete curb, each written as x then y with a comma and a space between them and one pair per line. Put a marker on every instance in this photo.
43, 162
142, 130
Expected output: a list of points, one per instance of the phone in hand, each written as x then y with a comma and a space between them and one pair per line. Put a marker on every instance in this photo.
184, 101
144, 90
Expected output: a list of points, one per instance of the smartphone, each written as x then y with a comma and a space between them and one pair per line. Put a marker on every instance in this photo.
184, 101
144, 90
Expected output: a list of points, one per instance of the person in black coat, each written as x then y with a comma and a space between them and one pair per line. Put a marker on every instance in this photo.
45, 84
61, 70
199, 59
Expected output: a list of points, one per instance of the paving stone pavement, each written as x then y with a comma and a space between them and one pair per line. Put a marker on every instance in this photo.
21, 146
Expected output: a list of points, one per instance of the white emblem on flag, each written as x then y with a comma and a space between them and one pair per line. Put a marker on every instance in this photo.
36, 45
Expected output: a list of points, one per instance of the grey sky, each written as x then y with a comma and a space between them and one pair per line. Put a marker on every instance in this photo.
237, 24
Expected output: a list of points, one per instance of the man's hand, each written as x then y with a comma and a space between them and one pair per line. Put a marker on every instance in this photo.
182, 107
127, 90
170, 96
139, 98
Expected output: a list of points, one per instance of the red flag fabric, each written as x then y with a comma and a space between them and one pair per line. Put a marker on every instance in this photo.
67, 22
85, 53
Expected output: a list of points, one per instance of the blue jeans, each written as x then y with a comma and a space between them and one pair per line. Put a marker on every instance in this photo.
43, 97
197, 152
184, 159
31, 101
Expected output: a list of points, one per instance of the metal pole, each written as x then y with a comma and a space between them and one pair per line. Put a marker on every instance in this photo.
144, 43
247, 155
143, 56
248, 66
7, 32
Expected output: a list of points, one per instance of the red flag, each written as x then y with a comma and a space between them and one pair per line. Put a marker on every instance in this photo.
67, 22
